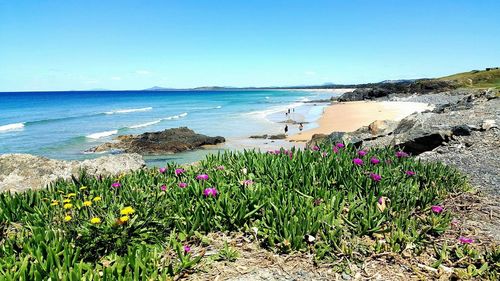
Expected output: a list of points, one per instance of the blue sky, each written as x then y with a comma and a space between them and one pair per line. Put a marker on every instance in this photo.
75, 45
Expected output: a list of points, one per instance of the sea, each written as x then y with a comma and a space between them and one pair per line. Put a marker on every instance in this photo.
63, 125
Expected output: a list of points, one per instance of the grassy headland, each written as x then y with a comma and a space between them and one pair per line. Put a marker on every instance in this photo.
332, 201
476, 79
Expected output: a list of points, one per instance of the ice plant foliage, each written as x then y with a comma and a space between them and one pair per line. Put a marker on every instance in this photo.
306, 203
401, 154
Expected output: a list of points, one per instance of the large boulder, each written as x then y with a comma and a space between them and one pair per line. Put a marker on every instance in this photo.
167, 141
19, 172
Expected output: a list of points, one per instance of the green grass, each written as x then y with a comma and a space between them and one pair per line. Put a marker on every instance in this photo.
292, 195
476, 79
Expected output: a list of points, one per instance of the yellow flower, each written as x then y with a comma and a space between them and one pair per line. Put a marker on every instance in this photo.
97, 198
127, 211
67, 218
124, 218
54, 203
87, 203
67, 206
95, 220
71, 195
67, 200
83, 187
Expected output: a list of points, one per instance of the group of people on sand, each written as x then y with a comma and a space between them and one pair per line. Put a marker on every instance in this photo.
287, 114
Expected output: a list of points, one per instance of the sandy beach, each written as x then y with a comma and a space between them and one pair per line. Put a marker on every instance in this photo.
349, 116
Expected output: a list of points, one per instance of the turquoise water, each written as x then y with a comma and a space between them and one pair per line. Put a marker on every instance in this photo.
63, 125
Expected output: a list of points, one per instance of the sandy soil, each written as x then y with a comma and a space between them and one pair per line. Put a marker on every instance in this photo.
349, 116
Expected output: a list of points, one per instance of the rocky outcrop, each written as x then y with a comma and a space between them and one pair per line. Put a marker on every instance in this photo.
379, 90
19, 172
167, 141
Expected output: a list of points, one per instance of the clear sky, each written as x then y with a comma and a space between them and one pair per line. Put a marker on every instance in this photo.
122, 44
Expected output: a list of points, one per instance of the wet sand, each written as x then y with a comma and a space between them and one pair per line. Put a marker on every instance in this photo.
349, 116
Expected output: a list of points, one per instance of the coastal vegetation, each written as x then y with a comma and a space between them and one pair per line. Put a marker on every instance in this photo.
476, 78
333, 201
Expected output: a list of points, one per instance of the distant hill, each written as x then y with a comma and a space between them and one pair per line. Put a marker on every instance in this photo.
476, 79
157, 88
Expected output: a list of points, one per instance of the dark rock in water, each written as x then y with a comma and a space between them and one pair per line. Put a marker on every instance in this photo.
259, 137
277, 137
167, 141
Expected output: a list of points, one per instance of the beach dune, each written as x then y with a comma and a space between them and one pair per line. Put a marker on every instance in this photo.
350, 116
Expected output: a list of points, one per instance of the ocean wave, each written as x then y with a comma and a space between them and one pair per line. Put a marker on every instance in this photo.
175, 116
145, 124
130, 110
11, 127
217, 107
102, 134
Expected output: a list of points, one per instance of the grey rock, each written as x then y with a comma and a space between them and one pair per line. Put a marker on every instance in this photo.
488, 124
19, 172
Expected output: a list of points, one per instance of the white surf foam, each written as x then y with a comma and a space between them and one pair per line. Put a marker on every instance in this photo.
130, 110
102, 134
145, 124
175, 116
11, 127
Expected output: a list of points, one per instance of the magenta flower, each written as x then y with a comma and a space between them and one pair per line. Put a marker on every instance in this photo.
187, 249
465, 240
362, 153
335, 149
247, 182
374, 160
179, 171
163, 188
401, 154
221, 168
211, 191
277, 152
410, 173
116, 184
437, 209
339, 145
357, 161
202, 177
381, 200
162, 170
375, 177
315, 148
183, 185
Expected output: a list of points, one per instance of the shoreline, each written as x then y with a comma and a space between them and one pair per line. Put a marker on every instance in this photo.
350, 116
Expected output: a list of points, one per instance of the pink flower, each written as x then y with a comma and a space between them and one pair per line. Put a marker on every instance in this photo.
247, 182
339, 145
162, 170
465, 240
410, 173
374, 160
187, 249
437, 209
362, 153
315, 148
357, 161
381, 200
163, 188
335, 149
183, 185
220, 168
202, 177
211, 191
277, 152
375, 177
401, 154
179, 171
116, 184
324, 154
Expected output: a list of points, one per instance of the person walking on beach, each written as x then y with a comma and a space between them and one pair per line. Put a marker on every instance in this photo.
301, 127
286, 129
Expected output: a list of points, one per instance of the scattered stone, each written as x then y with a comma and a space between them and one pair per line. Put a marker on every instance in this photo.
488, 124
